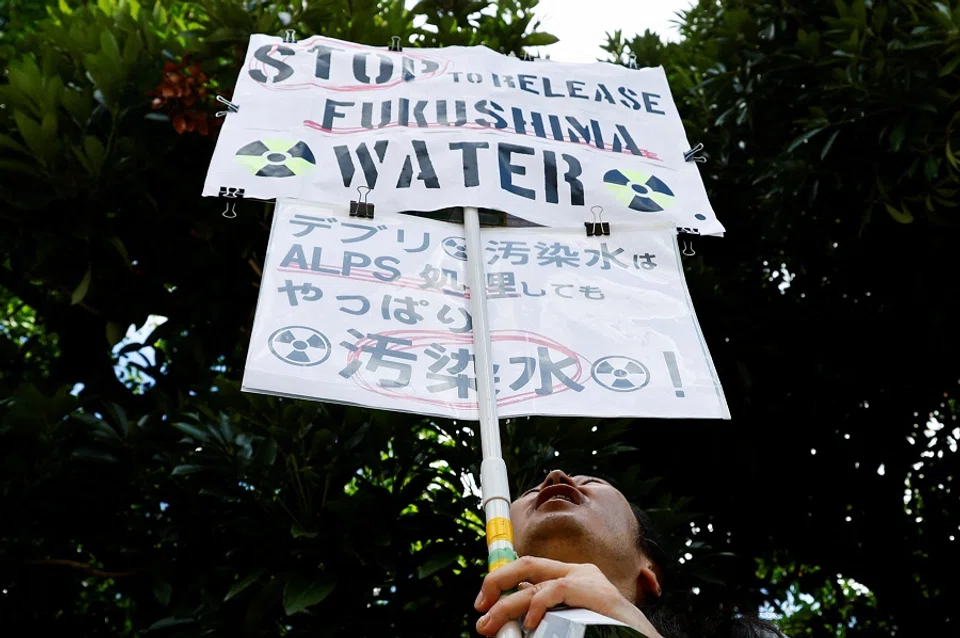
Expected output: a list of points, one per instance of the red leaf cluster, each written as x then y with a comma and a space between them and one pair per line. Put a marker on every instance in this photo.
183, 94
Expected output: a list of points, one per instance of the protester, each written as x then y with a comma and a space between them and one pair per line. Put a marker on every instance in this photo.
583, 544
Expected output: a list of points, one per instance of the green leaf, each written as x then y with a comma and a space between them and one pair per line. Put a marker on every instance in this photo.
93, 148
540, 39
131, 49
438, 561
8, 142
241, 585
93, 454
803, 138
108, 42
298, 532
904, 217
120, 416
266, 453
897, 136
115, 333
171, 621
354, 440
301, 592
48, 126
18, 167
193, 431
115, 241
32, 134
829, 145
954, 162
163, 591
84, 160
950, 67
81, 290
181, 470
78, 104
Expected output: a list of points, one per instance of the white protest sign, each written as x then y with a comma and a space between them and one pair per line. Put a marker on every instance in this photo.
429, 129
582, 623
375, 312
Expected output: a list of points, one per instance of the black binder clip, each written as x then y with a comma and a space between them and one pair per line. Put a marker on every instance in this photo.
685, 235
362, 208
231, 107
290, 37
693, 155
632, 61
395, 43
597, 228
231, 192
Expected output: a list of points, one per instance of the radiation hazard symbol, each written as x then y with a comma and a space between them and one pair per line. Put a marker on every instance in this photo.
639, 191
299, 346
620, 374
277, 158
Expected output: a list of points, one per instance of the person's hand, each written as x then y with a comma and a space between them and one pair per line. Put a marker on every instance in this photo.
547, 583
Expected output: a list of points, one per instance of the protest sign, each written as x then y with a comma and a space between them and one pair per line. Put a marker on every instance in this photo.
375, 312
582, 623
429, 129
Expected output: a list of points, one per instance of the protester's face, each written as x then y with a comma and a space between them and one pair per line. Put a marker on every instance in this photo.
565, 509
580, 519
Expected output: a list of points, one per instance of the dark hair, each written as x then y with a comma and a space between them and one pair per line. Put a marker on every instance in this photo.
650, 543
677, 624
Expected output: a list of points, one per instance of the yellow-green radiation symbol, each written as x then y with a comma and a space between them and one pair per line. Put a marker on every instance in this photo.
277, 158
639, 191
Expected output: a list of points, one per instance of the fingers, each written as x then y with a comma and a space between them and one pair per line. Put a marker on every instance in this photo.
550, 595
528, 568
530, 603
508, 608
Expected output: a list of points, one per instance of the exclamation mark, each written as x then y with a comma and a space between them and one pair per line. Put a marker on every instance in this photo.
671, 359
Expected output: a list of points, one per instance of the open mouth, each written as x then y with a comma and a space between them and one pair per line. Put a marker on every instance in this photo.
560, 492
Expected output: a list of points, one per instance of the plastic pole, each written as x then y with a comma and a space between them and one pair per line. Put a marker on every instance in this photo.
493, 471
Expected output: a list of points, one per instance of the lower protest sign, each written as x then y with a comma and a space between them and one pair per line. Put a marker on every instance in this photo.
376, 312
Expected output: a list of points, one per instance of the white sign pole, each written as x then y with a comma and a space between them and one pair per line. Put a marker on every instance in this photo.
493, 471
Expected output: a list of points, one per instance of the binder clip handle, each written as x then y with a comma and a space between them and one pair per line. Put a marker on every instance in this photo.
688, 248
597, 227
632, 61
230, 211
231, 107
361, 207
290, 37
693, 155
395, 43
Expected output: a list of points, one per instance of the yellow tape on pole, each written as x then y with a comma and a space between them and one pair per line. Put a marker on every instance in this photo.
499, 529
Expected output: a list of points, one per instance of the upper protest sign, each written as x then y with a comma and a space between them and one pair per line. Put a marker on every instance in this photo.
376, 312
428, 129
